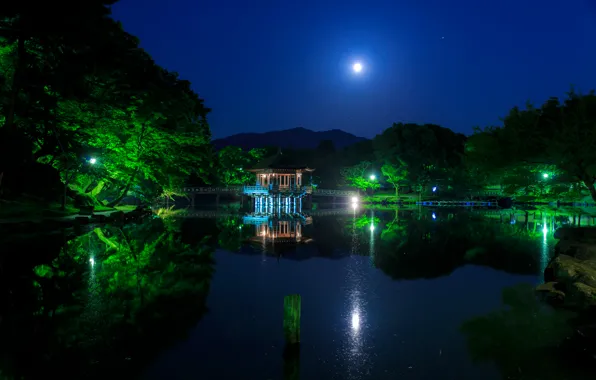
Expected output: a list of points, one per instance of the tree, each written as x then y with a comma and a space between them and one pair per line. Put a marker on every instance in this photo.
75, 86
102, 297
357, 176
557, 137
428, 150
395, 174
233, 163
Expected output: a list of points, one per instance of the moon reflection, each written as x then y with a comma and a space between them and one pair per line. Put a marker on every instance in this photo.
355, 321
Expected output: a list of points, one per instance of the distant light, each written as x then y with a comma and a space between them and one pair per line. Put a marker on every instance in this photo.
373, 177
354, 206
92, 261
92, 161
355, 321
434, 189
434, 216
372, 227
354, 199
357, 67
545, 175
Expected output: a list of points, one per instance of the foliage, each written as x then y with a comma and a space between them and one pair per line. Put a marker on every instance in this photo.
395, 174
429, 151
108, 296
233, 163
81, 87
556, 138
358, 176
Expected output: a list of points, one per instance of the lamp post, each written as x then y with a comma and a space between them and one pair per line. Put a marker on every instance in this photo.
69, 175
372, 177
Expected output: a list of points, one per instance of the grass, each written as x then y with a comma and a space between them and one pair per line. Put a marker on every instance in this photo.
389, 196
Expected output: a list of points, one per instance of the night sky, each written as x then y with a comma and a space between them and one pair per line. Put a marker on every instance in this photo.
267, 65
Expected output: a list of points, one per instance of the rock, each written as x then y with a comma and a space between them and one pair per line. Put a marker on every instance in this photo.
568, 270
579, 249
583, 234
582, 296
575, 278
550, 293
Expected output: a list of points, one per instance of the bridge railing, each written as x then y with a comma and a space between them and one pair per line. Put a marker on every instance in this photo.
335, 193
265, 190
256, 190
212, 190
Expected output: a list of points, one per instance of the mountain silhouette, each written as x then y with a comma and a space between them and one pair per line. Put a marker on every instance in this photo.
295, 138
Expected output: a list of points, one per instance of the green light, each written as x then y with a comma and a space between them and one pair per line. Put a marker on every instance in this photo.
373, 177
92, 161
545, 175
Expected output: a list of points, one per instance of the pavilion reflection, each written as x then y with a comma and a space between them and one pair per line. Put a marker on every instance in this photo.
279, 230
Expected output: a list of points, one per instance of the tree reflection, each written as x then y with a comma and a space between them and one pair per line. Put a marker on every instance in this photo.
525, 338
110, 300
432, 244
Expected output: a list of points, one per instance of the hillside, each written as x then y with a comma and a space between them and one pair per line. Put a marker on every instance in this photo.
296, 138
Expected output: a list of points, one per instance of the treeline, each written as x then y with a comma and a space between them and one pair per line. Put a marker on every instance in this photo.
538, 154
85, 111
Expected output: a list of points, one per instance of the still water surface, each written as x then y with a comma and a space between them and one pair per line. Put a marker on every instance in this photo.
416, 294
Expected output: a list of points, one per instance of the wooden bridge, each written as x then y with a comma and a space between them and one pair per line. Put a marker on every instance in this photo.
267, 190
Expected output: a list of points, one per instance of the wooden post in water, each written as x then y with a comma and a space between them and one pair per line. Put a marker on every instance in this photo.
291, 355
292, 306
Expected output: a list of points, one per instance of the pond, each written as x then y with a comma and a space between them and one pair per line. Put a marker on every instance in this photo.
408, 293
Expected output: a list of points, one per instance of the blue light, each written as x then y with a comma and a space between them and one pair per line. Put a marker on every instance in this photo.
434, 189
434, 216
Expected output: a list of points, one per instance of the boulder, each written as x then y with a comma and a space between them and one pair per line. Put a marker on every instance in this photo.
550, 292
579, 249
571, 282
583, 234
570, 278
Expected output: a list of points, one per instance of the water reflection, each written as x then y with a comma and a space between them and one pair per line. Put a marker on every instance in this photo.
404, 243
113, 298
100, 302
354, 356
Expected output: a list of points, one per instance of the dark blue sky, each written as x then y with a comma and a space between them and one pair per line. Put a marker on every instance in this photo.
278, 64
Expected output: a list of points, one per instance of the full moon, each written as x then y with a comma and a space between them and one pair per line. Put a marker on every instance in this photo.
357, 67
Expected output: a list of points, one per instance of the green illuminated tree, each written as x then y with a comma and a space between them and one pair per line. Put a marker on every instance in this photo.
395, 174
105, 302
358, 176
233, 163
76, 86
556, 137
428, 150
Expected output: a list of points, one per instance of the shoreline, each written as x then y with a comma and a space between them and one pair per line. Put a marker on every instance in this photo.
53, 223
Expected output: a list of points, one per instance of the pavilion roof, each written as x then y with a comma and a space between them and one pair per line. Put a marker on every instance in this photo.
279, 162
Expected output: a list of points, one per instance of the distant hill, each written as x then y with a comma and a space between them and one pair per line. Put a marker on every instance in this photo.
296, 138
